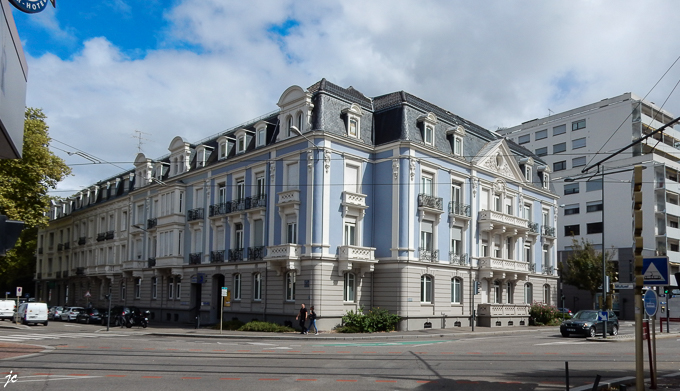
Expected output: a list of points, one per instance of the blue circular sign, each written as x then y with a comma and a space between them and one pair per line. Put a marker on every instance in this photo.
30, 6
651, 302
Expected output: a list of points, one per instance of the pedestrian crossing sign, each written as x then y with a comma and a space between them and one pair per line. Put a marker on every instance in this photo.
655, 271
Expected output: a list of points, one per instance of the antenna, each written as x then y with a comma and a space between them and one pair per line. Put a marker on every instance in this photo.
550, 112
138, 136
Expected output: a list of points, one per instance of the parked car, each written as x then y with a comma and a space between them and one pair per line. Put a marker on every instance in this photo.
566, 312
116, 313
589, 323
7, 308
54, 312
70, 314
89, 315
31, 313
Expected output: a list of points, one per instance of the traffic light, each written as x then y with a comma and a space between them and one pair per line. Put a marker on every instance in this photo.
476, 287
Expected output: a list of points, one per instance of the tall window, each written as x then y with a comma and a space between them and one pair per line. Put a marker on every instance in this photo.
350, 233
427, 185
456, 240
496, 292
171, 286
237, 287
222, 192
456, 291
510, 247
527, 251
260, 191
528, 293
353, 127
546, 294
510, 289
154, 287
426, 289
289, 129
429, 134
349, 287
257, 286
178, 288
241, 144
138, 288
291, 233
238, 236
292, 176
290, 286
456, 193
261, 136
426, 235
123, 290
458, 146
240, 189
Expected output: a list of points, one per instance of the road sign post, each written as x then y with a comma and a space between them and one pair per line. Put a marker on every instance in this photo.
225, 292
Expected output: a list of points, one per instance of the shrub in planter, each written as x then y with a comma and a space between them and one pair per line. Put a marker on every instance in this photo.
544, 314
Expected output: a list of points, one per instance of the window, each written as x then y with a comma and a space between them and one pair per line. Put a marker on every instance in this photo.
353, 127
299, 121
527, 212
578, 161
350, 233
178, 287
429, 134
496, 292
528, 293
594, 206
426, 235
594, 185
524, 139
546, 180
257, 286
290, 286
541, 134
510, 289
546, 294
527, 173
456, 291
238, 236
289, 130
559, 130
594, 228
572, 209
352, 178
497, 203
561, 147
138, 288
456, 240
292, 176
171, 286
240, 189
349, 286
572, 230
241, 144
154, 287
123, 290
580, 124
223, 149
578, 143
291, 233
508, 206
237, 287
527, 251
484, 248
510, 247
426, 289
571, 188
222, 192
260, 183
427, 184
456, 193
542, 151
261, 137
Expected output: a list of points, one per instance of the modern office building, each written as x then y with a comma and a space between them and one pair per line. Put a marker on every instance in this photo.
335, 200
597, 210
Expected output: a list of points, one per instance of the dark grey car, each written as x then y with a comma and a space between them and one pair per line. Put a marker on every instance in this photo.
586, 323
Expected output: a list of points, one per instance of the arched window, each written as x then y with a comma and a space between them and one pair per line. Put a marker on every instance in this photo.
426, 289
299, 121
257, 286
290, 125
456, 291
546, 294
528, 293
290, 286
349, 287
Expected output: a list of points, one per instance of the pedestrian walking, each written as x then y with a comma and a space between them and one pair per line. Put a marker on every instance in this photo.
302, 318
312, 320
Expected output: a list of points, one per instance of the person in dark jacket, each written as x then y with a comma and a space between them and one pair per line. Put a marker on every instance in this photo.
312, 320
302, 318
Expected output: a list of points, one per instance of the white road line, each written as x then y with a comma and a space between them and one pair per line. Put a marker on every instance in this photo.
54, 378
561, 343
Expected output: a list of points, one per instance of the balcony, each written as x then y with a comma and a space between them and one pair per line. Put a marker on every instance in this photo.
496, 221
430, 202
134, 265
426, 255
256, 253
503, 265
459, 259
40, 250
195, 258
503, 309
58, 274
65, 274
217, 256
258, 201
458, 209
67, 246
60, 247
82, 240
151, 223
236, 255
548, 231
356, 253
548, 270
109, 235
80, 271
151, 262
237, 205
289, 196
219, 209
195, 214
101, 236
288, 250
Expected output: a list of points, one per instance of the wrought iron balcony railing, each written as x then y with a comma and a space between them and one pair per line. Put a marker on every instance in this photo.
80, 271
217, 256
548, 270
236, 255
258, 201
219, 209
60, 247
67, 246
428, 255
459, 259
428, 201
151, 262
151, 223
532, 267
109, 235
256, 253
82, 240
533, 227
195, 214
547, 231
101, 236
195, 258
459, 209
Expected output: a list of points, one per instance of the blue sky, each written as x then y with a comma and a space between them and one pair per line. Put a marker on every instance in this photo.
102, 70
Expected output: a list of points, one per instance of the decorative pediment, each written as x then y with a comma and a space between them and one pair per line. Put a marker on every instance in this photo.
497, 158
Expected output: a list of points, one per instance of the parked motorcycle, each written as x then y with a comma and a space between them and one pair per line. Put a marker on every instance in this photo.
137, 318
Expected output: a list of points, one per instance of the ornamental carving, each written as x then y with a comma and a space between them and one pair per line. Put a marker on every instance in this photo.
310, 160
475, 184
499, 186
272, 172
412, 168
395, 168
327, 160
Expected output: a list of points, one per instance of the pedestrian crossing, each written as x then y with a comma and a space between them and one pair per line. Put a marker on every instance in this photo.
48, 336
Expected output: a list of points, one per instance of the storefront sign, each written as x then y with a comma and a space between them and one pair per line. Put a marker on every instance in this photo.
31, 6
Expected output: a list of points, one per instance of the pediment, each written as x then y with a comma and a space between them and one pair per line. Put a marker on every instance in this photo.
497, 158
292, 95
141, 159
178, 144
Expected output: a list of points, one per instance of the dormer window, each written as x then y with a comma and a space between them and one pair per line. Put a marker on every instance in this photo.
527, 173
241, 144
300, 123
546, 180
544, 173
354, 115
296, 110
526, 164
261, 136
223, 149
289, 128
428, 123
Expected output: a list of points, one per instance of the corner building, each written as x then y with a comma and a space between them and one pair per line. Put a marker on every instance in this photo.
336, 200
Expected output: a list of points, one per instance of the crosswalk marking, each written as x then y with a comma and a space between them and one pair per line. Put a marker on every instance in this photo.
36, 337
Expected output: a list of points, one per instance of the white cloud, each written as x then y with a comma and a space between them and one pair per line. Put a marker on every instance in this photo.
496, 63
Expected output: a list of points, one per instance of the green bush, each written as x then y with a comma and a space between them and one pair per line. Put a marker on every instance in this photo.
233, 324
374, 320
266, 327
544, 314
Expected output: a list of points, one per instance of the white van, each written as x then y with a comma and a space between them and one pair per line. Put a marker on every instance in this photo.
31, 313
7, 308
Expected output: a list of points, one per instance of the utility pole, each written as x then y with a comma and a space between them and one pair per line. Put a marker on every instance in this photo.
639, 278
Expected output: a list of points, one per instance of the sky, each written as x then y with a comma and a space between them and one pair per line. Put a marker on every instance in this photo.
107, 71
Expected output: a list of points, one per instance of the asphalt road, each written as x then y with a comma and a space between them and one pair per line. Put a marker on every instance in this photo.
88, 357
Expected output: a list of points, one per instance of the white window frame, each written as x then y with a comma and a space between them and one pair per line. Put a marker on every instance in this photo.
290, 286
456, 290
426, 291
350, 233
138, 288
291, 232
261, 136
510, 292
349, 288
178, 288
528, 293
154, 287
354, 114
241, 144
237, 287
257, 286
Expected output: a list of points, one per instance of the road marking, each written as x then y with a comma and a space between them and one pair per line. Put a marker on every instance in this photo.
561, 343
35, 337
385, 381
152, 377
230, 378
190, 377
305, 380
267, 379
116, 375
44, 378
414, 343
345, 380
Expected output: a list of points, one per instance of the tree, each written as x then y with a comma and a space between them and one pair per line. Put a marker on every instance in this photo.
583, 267
24, 186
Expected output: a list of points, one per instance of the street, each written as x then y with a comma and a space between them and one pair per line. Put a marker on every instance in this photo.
86, 356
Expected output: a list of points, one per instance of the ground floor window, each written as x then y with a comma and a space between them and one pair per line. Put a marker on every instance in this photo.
528, 293
456, 290
257, 286
426, 289
290, 286
237, 286
349, 287
546, 294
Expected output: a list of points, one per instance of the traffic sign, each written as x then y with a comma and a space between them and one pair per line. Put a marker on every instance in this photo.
651, 302
624, 285
603, 315
655, 271
225, 291
87, 294
19, 291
